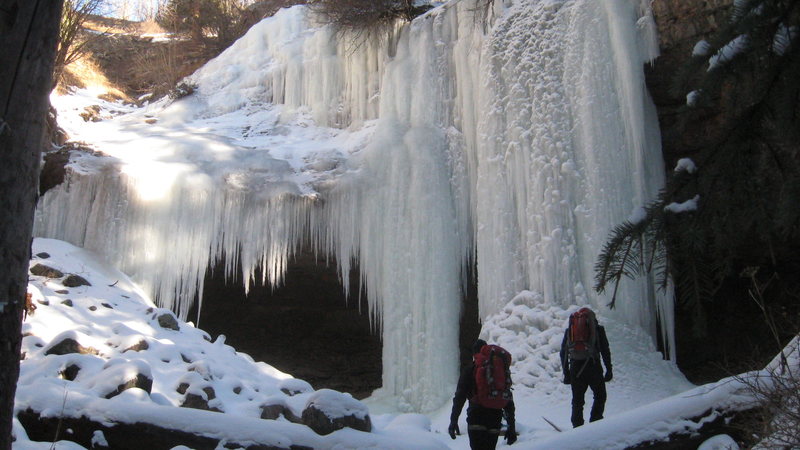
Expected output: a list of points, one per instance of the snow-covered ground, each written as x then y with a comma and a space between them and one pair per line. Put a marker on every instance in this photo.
111, 315
648, 398
383, 156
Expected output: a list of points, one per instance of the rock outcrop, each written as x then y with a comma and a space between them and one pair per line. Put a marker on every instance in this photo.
327, 411
681, 24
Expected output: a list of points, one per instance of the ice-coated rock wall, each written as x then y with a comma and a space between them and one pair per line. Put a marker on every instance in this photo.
514, 137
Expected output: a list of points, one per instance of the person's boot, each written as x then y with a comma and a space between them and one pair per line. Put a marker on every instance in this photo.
598, 402
597, 412
577, 417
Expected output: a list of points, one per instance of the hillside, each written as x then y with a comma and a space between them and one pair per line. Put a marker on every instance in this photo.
130, 59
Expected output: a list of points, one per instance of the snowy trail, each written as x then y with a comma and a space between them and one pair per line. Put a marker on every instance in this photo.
533, 336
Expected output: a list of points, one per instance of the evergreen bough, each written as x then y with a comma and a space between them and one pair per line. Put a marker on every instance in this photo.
748, 214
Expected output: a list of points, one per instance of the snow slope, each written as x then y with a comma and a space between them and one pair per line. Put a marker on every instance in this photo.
648, 399
111, 316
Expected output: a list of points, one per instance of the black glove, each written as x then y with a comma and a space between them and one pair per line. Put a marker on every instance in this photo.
453, 429
511, 434
567, 379
609, 375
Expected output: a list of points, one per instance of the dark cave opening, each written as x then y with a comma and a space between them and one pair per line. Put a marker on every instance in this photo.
307, 327
469, 323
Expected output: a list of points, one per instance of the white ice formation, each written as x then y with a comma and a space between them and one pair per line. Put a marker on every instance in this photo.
514, 140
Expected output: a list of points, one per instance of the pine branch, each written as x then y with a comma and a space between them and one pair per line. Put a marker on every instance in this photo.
748, 183
619, 257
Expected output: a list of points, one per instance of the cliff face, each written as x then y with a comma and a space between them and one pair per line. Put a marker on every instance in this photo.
681, 24
748, 225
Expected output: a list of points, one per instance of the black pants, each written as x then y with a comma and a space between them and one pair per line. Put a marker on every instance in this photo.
591, 377
484, 427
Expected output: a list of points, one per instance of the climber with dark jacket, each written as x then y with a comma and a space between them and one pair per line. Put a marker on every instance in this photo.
483, 423
584, 344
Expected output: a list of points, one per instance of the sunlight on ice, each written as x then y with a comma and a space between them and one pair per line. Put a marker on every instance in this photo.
152, 181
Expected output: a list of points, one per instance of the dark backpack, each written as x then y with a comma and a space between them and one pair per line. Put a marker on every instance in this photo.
492, 377
582, 335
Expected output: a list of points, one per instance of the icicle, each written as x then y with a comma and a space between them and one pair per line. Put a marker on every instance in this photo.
648, 32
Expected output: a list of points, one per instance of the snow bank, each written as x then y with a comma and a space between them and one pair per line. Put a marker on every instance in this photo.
112, 314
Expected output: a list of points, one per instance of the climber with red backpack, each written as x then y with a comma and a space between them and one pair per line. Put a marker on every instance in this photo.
486, 383
584, 344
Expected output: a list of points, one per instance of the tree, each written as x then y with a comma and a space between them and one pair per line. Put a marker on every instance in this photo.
29, 31
744, 216
71, 43
215, 23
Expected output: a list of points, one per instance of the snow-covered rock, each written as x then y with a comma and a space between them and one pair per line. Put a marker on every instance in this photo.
110, 362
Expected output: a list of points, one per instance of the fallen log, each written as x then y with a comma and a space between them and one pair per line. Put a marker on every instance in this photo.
124, 436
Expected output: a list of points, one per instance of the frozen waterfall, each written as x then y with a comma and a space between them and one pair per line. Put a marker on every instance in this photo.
515, 141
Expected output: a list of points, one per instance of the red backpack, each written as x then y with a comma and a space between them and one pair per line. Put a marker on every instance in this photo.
582, 341
492, 377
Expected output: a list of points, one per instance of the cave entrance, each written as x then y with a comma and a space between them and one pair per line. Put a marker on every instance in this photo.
469, 322
306, 327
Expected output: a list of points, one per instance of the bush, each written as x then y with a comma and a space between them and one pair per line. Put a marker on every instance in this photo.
181, 90
365, 16
158, 67
777, 390
264, 8
201, 20
213, 23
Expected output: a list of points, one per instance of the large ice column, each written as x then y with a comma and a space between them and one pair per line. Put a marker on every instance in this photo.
570, 147
181, 196
398, 223
407, 218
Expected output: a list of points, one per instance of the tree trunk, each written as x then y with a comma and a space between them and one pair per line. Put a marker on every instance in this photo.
28, 32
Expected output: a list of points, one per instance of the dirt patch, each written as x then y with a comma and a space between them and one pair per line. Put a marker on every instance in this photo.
129, 59
132, 59
120, 26
142, 64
